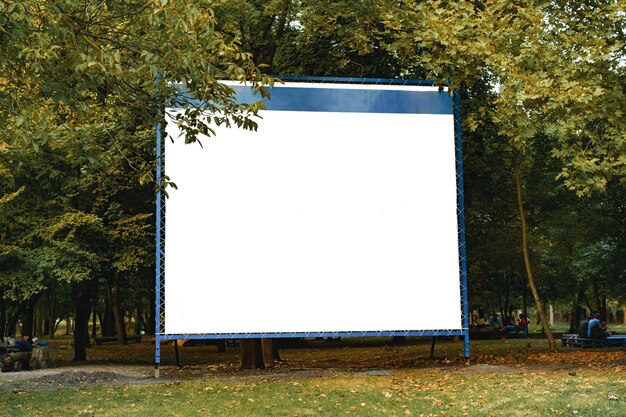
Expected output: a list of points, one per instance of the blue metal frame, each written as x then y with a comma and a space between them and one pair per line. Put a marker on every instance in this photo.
311, 334
160, 222
461, 216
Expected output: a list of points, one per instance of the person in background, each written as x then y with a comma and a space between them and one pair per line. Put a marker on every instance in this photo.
494, 321
584, 327
594, 321
25, 344
599, 332
522, 325
509, 327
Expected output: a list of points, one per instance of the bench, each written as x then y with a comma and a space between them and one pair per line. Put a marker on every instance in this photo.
113, 339
616, 340
570, 339
573, 340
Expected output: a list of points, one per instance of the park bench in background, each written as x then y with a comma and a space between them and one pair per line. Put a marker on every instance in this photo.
573, 340
616, 340
113, 339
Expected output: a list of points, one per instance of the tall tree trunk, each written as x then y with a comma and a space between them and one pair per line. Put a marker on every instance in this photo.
139, 325
15, 318
94, 327
120, 326
604, 311
251, 354
52, 316
507, 296
577, 310
529, 270
81, 296
3, 317
280, 31
108, 322
150, 328
46, 327
270, 350
28, 324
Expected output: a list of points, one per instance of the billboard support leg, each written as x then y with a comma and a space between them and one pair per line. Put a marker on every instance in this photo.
461, 219
158, 254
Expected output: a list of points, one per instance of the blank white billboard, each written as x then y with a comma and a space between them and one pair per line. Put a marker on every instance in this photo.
321, 221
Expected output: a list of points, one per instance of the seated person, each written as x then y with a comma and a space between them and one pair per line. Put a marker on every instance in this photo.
509, 327
600, 332
494, 321
594, 321
24, 344
584, 327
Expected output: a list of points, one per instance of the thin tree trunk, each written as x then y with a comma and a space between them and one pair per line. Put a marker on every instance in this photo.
81, 296
3, 317
94, 327
507, 296
529, 270
604, 311
52, 299
151, 325
28, 324
270, 350
577, 311
251, 354
282, 23
138, 319
120, 325
107, 324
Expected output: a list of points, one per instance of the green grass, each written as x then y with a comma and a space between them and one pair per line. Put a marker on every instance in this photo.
507, 378
405, 392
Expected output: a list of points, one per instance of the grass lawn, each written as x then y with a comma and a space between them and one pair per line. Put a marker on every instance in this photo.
353, 377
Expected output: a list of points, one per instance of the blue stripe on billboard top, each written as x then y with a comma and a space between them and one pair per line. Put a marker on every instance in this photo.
350, 99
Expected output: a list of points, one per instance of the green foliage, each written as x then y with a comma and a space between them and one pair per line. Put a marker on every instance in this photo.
69, 67
80, 83
557, 67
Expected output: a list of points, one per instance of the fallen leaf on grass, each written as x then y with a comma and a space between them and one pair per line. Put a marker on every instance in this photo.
613, 397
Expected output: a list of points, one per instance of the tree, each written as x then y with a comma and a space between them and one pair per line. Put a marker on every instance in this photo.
78, 84
551, 76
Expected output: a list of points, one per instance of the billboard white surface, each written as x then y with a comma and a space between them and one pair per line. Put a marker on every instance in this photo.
321, 221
